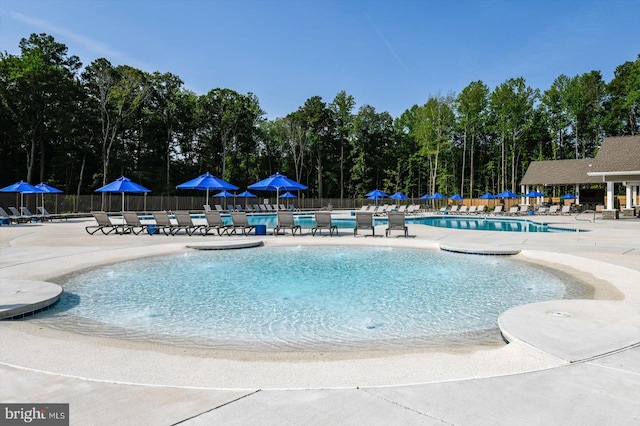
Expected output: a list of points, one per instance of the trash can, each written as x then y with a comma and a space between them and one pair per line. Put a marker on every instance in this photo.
261, 230
530, 212
151, 229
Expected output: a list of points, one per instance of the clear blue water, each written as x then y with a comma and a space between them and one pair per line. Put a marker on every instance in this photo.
303, 297
453, 222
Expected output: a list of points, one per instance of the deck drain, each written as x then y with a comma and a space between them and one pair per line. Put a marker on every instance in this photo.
560, 314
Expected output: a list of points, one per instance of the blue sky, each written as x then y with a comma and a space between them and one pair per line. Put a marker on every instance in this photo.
388, 54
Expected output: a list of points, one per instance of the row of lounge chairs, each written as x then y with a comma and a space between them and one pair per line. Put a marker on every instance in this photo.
24, 215
248, 208
513, 211
131, 224
388, 208
455, 209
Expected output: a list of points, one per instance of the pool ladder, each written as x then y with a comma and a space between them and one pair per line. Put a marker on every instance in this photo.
588, 212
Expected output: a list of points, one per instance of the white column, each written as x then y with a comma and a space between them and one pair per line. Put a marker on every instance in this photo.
576, 192
609, 195
635, 194
628, 205
522, 189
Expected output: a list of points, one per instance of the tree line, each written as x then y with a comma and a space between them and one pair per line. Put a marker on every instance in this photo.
79, 127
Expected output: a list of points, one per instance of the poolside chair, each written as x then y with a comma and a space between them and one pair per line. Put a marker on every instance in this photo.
282, 207
219, 208
184, 223
32, 217
207, 207
4, 217
542, 210
566, 210
363, 209
240, 223
262, 207
323, 221
12, 218
247, 208
453, 209
462, 209
163, 223
48, 216
286, 221
524, 210
17, 216
472, 210
512, 211
104, 225
442, 210
396, 223
497, 210
238, 208
364, 220
214, 223
133, 224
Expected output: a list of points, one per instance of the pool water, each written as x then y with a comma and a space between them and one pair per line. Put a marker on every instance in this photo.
303, 297
454, 222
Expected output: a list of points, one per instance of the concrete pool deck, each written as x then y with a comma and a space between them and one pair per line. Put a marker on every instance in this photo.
570, 361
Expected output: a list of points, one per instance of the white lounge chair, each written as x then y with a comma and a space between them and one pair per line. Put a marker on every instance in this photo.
286, 220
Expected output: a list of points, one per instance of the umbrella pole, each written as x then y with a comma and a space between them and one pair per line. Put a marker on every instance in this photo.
123, 202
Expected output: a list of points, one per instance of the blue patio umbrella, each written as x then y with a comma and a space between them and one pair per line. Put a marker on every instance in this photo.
426, 197
487, 196
123, 184
569, 197
376, 193
207, 182
398, 196
49, 190
507, 194
21, 187
437, 196
247, 194
534, 193
277, 182
225, 195
288, 195
457, 197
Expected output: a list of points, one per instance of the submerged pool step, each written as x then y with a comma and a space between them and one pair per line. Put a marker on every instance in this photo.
481, 251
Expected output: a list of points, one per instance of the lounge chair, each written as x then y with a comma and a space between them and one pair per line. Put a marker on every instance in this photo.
17, 216
403, 209
442, 210
462, 209
497, 210
32, 217
185, 223
207, 207
524, 210
238, 208
553, 209
565, 210
286, 221
163, 223
472, 210
396, 223
4, 216
262, 207
364, 220
323, 221
48, 216
240, 223
104, 225
133, 224
453, 209
219, 208
542, 210
363, 209
214, 223
282, 207
481, 208
12, 218
512, 211
247, 208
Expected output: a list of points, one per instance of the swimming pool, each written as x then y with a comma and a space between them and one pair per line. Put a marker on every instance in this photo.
452, 222
304, 297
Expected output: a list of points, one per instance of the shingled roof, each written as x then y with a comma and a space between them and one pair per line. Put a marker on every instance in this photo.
617, 154
559, 172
